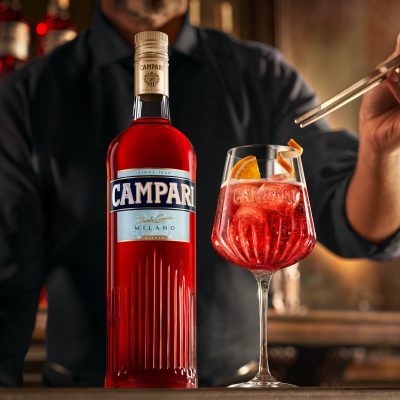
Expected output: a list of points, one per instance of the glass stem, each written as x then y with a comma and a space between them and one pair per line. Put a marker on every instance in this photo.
263, 280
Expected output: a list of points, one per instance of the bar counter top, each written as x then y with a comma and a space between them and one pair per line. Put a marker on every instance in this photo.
197, 394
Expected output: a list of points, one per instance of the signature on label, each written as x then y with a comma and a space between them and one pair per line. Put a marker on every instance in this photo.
159, 219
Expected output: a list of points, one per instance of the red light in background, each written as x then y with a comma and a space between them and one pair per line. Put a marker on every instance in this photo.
41, 28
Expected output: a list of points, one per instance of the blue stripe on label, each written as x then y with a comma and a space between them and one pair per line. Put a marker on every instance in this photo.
153, 204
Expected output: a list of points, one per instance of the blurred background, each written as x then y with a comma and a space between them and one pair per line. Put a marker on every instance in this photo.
346, 319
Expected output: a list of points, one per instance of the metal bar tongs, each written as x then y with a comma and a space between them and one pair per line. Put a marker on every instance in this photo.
352, 92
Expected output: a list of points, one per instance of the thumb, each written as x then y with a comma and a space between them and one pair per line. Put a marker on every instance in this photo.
385, 96
393, 77
397, 51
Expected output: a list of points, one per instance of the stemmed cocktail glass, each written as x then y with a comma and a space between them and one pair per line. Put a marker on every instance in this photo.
263, 223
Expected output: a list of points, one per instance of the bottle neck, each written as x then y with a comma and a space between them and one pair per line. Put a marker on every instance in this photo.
151, 84
151, 106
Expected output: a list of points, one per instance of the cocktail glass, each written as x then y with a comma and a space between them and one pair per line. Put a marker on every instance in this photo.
263, 223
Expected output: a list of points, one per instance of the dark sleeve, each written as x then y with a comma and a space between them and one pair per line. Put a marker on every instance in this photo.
21, 233
329, 160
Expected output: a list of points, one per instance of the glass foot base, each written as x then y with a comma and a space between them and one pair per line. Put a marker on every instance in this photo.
258, 383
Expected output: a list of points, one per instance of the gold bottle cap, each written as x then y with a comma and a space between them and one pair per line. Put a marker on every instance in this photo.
151, 36
151, 63
152, 44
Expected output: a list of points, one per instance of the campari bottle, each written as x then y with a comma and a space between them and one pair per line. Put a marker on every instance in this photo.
14, 37
56, 28
151, 273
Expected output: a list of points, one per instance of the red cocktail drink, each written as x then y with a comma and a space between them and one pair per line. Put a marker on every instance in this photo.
262, 224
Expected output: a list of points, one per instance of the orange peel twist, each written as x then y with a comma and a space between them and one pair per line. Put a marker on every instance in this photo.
283, 156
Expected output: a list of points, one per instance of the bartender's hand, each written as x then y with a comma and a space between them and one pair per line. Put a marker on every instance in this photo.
379, 123
373, 197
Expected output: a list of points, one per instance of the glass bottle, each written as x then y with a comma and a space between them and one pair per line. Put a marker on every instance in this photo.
151, 266
55, 28
14, 37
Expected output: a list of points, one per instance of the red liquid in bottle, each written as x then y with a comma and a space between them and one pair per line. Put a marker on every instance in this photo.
263, 225
151, 284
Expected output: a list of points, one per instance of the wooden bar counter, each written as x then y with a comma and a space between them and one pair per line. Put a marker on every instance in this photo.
200, 394
335, 328
316, 328
315, 348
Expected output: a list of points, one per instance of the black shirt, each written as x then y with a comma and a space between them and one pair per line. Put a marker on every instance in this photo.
57, 118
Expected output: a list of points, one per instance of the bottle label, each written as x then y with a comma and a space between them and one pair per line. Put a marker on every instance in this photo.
56, 38
153, 204
14, 39
151, 76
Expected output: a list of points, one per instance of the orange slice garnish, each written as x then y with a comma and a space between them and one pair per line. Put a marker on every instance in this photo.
283, 156
246, 168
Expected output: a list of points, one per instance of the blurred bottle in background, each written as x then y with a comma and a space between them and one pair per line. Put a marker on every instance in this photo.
14, 37
56, 28
52, 31
286, 291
